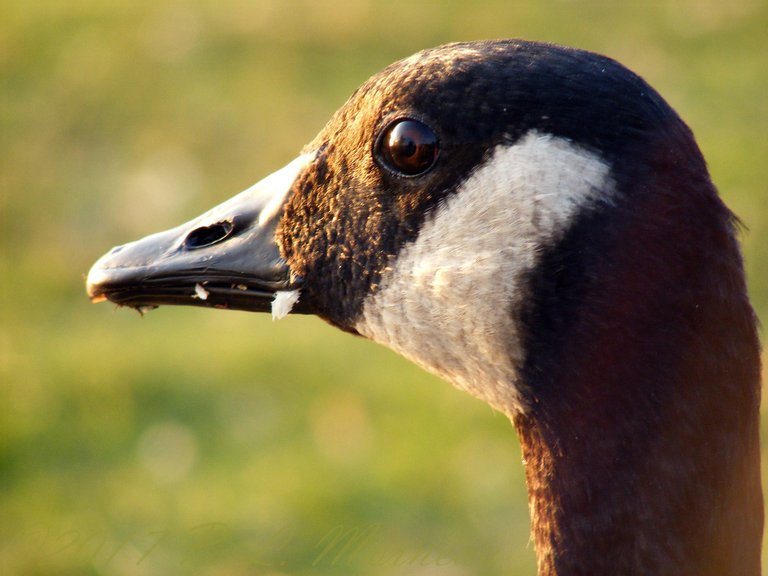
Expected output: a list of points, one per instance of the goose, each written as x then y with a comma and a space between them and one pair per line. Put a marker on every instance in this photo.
536, 225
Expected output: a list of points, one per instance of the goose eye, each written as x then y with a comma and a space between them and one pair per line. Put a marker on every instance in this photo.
408, 147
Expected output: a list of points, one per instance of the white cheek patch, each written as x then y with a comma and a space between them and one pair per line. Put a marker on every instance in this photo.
451, 301
283, 303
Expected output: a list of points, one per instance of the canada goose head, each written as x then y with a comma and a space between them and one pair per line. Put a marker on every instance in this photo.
536, 225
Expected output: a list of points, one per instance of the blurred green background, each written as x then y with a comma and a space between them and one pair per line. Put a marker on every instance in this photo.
201, 442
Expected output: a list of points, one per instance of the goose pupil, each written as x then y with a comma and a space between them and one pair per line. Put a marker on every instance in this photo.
410, 147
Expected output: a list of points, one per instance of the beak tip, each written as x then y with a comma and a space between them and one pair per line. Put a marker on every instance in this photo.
93, 283
101, 275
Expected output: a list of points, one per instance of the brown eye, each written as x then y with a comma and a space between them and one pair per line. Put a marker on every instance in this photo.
408, 147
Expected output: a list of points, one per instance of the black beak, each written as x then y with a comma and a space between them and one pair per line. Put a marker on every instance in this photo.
226, 258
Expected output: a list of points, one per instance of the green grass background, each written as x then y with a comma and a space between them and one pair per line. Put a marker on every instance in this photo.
204, 442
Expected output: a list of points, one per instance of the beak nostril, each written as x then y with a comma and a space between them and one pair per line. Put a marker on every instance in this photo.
208, 235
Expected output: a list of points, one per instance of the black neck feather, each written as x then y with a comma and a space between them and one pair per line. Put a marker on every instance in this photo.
641, 446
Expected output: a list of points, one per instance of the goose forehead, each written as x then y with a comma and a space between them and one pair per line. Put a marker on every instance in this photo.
446, 57
451, 300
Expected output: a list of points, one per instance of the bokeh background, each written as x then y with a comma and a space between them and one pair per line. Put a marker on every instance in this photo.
219, 443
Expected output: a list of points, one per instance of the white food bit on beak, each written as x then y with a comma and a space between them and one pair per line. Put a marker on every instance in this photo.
200, 292
283, 302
